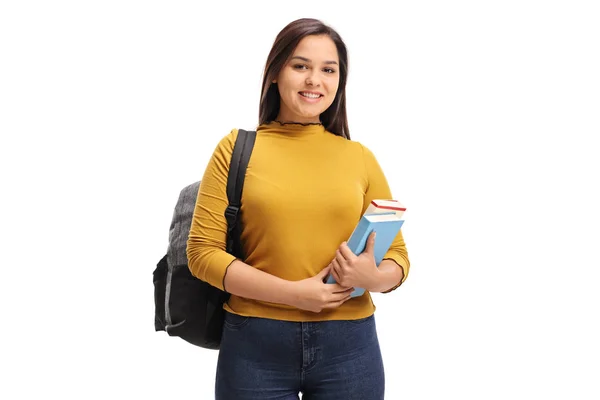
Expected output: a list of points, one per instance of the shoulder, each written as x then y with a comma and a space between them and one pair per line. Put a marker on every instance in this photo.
228, 141
359, 151
224, 146
366, 151
223, 150
355, 147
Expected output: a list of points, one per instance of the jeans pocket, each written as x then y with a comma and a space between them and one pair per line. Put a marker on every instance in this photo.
235, 322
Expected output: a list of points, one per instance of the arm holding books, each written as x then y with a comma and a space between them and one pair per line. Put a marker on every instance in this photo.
395, 264
379, 189
350, 270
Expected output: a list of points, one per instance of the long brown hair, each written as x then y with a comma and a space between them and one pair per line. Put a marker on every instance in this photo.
334, 119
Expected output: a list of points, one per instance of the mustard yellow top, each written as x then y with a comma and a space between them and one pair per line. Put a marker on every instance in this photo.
304, 193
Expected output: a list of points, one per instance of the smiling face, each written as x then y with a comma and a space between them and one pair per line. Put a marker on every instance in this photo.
309, 81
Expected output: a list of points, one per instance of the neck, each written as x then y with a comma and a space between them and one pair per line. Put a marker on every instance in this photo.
282, 118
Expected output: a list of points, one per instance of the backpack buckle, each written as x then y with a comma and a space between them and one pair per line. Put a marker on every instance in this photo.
231, 213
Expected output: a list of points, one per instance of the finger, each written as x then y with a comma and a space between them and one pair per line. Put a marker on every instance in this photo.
335, 275
339, 257
346, 252
336, 270
335, 265
341, 295
370, 247
336, 304
337, 288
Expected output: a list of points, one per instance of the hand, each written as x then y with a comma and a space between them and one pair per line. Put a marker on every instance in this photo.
312, 294
350, 270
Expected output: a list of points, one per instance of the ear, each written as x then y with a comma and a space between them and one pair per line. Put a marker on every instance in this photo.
274, 80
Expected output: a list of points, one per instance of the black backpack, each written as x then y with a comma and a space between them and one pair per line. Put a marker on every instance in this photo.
185, 306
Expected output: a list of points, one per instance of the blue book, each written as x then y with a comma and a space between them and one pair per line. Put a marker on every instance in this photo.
386, 225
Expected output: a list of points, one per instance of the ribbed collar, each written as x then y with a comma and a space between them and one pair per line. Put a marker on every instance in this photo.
291, 128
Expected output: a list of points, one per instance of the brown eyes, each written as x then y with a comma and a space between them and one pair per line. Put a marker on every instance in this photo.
303, 66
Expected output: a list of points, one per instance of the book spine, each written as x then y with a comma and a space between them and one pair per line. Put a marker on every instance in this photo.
357, 240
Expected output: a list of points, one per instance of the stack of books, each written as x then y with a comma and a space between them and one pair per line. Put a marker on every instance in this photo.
385, 217
385, 206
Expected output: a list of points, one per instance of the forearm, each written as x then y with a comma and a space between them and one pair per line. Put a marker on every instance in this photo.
390, 274
246, 281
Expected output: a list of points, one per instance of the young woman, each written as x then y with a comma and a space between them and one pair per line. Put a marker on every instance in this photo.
286, 331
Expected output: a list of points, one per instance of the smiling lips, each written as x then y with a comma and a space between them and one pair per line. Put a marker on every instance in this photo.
311, 97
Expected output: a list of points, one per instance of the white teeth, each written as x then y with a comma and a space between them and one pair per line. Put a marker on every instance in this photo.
310, 95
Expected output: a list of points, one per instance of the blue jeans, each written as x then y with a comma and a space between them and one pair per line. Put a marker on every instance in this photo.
264, 359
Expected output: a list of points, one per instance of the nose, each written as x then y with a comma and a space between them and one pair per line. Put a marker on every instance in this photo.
313, 79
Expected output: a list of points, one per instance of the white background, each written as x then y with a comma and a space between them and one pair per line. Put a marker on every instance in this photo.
107, 109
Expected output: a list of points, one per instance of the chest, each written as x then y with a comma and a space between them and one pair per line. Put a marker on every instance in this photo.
284, 183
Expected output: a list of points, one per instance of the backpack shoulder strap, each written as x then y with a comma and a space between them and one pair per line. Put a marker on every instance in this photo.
242, 151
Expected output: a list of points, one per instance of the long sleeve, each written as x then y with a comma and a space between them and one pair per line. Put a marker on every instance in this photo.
207, 257
378, 188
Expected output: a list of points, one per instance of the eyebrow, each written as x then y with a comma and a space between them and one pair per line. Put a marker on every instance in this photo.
308, 60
